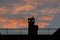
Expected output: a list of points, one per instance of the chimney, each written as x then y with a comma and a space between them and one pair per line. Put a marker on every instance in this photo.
32, 29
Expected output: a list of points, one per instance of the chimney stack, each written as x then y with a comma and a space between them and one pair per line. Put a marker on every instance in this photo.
32, 29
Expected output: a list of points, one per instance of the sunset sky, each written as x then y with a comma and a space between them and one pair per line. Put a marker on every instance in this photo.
14, 13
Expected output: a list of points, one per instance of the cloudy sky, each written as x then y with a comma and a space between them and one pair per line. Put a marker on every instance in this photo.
14, 13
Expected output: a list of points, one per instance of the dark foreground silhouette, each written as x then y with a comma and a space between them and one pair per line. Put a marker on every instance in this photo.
32, 29
57, 32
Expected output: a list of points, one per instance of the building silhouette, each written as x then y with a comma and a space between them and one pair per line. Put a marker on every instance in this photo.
32, 29
57, 32
0, 33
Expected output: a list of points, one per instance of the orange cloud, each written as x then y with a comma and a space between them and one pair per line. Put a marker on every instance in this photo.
18, 8
50, 11
7, 26
23, 23
43, 11
46, 18
54, 11
3, 9
42, 24
27, 7
3, 20
13, 23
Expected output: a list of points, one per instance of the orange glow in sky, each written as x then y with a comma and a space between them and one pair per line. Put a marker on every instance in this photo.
14, 13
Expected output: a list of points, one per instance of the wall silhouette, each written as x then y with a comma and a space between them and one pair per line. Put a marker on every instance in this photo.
32, 29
